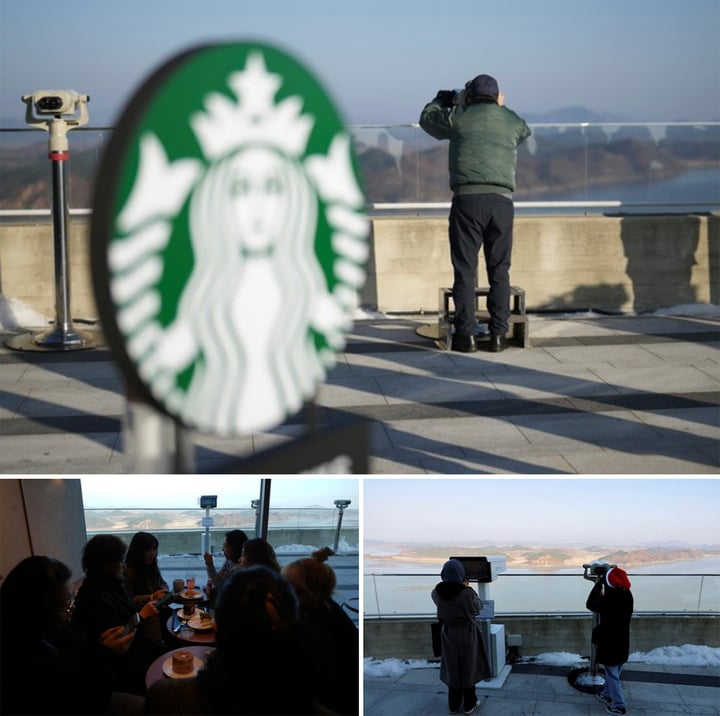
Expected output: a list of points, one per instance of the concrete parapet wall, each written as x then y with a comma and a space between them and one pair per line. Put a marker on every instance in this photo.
410, 638
610, 263
190, 541
564, 263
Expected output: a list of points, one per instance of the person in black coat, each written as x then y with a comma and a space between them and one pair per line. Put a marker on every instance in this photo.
103, 602
463, 659
265, 660
612, 600
46, 666
314, 582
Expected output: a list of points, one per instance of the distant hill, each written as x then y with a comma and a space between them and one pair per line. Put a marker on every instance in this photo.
545, 556
561, 115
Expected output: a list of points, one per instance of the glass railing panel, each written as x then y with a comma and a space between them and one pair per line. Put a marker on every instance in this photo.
26, 181
409, 594
710, 594
179, 530
673, 166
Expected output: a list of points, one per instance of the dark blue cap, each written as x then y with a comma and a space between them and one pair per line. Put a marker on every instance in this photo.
483, 87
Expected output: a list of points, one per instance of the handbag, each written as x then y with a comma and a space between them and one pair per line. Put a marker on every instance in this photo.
435, 628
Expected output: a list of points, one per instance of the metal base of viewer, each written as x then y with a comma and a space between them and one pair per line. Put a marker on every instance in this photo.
55, 340
497, 682
584, 680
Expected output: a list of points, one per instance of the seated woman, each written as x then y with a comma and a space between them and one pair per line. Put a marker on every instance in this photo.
265, 662
103, 601
314, 582
46, 666
141, 572
259, 551
232, 549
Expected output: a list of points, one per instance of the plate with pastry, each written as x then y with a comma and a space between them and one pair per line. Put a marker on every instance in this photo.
201, 621
182, 665
191, 594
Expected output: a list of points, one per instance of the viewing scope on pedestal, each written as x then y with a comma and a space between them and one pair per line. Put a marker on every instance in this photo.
485, 570
590, 680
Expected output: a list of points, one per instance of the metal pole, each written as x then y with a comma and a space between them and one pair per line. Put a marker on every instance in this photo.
339, 525
261, 525
154, 442
207, 530
590, 680
62, 269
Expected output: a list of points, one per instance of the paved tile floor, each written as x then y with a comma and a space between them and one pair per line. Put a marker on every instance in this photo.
650, 690
602, 395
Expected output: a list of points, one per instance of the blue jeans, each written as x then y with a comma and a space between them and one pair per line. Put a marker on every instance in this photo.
613, 687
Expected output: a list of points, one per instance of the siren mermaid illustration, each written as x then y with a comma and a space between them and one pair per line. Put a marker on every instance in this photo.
256, 310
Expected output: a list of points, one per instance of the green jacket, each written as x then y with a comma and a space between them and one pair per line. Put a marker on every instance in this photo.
484, 137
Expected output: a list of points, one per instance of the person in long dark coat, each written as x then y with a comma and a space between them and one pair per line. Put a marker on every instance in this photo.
463, 660
612, 599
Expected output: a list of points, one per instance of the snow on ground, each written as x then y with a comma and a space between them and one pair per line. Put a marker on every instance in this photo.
15, 314
342, 548
686, 655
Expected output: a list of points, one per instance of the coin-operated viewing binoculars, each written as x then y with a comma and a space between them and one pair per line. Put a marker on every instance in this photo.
484, 570
57, 112
590, 679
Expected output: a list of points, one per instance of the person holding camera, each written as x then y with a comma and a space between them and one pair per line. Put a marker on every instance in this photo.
484, 136
612, 600
232, 548
463, 660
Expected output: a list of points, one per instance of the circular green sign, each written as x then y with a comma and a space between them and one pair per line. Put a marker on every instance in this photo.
229, 237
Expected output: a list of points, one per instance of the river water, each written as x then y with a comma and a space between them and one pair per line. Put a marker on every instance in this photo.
687, 587
700, 187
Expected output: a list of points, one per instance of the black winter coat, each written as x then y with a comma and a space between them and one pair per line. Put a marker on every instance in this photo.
614, 605
463, 660
103, 602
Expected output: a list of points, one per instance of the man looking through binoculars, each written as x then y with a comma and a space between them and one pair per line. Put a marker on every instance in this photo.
484, 136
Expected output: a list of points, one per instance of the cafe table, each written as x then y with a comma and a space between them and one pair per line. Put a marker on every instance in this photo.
155, 670
186, 633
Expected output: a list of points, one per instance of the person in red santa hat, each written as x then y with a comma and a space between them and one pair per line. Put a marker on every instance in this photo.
612, 599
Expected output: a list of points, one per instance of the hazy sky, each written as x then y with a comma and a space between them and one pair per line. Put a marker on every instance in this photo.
383, 59
184, 490
542, 511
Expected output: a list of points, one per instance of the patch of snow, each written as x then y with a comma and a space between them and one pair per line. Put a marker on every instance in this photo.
559, 658
394, 667
342, 548
15, 314
685, 655
365, 313
703, 310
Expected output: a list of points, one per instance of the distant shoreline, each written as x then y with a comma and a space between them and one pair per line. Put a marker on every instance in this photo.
577, 560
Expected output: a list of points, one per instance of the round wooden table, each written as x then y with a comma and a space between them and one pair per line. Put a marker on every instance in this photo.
155, 671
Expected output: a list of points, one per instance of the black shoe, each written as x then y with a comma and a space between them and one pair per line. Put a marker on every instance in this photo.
498, 342
616, 709
605, 699
463, 343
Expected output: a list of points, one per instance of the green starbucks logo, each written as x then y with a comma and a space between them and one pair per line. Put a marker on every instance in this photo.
235, 237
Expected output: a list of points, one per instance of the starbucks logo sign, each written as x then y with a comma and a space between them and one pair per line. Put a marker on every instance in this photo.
229, 237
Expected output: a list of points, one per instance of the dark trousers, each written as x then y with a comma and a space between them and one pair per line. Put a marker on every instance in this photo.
481, 221
464, 697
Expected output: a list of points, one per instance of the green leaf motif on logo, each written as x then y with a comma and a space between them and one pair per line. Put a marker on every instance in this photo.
238, 240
